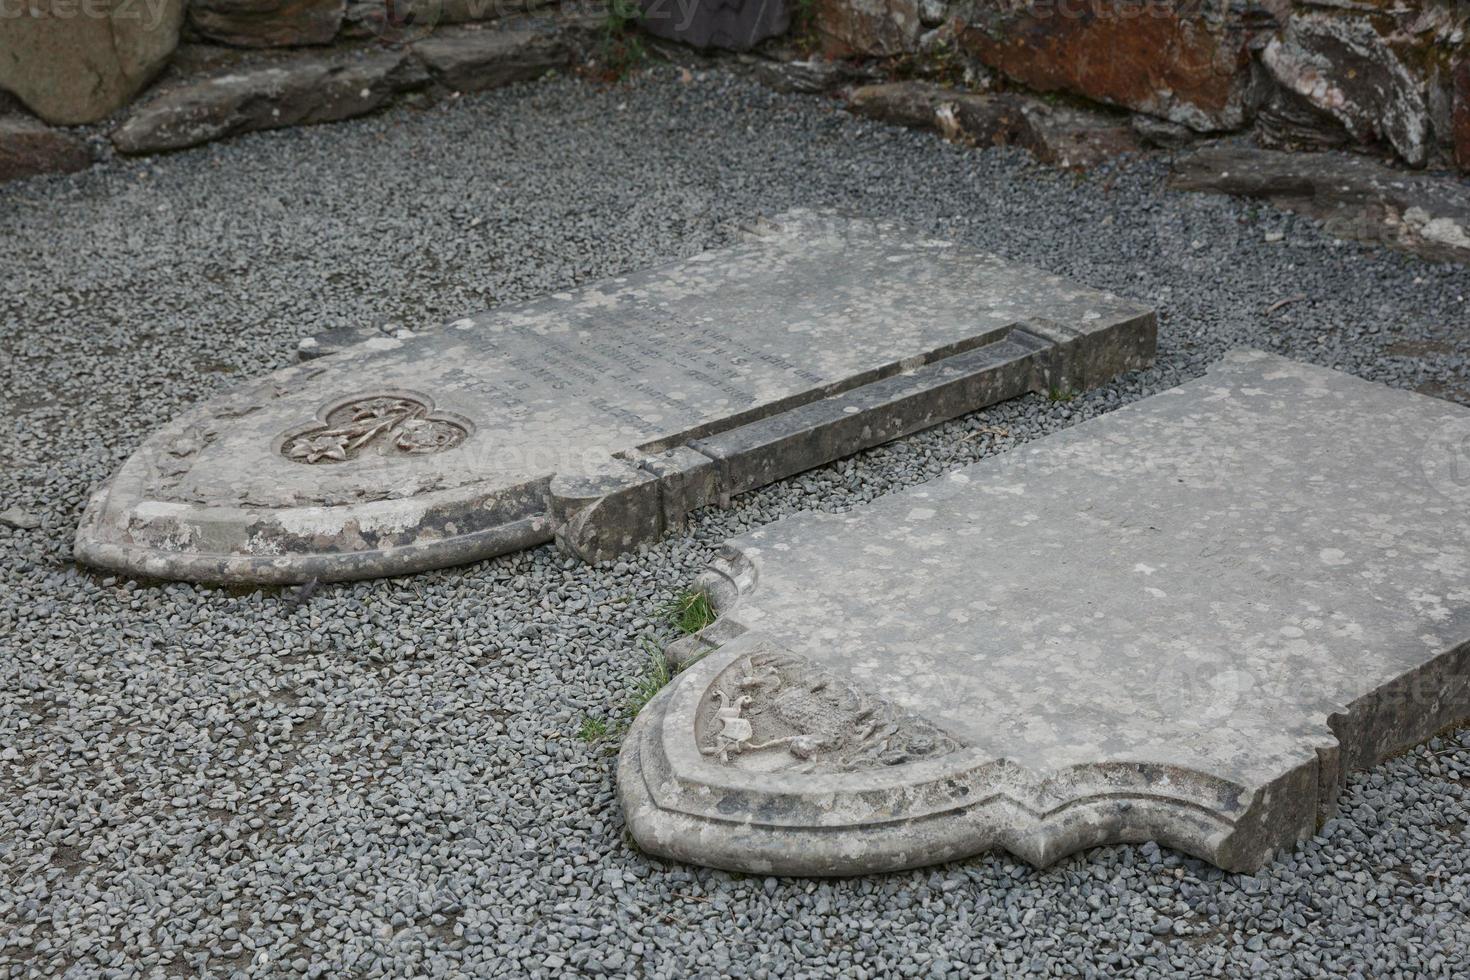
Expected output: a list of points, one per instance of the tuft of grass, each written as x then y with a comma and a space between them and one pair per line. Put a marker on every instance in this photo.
803, 29
690, 612
656, 677
621, 50
593, 729
657, 674
1061, 395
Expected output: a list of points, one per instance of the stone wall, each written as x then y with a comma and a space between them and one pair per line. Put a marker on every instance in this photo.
148, 76
79, 61
1386, 76
1392, 75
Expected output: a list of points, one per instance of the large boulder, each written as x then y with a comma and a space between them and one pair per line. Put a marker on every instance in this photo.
29, 147
1183, 61
71, 68
267, 23
1345, 69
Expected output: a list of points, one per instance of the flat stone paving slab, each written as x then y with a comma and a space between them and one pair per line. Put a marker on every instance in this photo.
600, 417
1184, 621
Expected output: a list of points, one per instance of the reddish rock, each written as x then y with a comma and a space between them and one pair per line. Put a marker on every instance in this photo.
1182, 65
868, 28
29, 147
1462, 114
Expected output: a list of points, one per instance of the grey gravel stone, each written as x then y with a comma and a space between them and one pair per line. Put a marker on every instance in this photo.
15, 517
209, 782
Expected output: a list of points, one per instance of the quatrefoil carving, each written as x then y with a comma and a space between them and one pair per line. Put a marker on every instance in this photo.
383, 424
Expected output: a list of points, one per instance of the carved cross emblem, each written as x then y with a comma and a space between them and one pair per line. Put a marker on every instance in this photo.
388, 425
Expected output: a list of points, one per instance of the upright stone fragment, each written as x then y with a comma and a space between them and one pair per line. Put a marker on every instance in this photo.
601, 416
1184, 621
29, 147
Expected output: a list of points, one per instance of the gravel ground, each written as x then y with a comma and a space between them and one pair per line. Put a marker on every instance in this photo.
386, 779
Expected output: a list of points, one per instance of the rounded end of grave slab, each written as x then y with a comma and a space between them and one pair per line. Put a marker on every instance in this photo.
375, 485
205, 544
704, 783
152, 563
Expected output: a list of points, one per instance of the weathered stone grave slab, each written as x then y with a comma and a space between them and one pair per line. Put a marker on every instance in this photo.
602, 416
1184, 621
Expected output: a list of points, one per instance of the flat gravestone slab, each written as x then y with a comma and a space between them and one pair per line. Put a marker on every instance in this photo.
602, 416
1184, 621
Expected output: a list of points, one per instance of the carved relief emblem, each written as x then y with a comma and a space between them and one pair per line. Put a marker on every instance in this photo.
819, 722
395, 424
